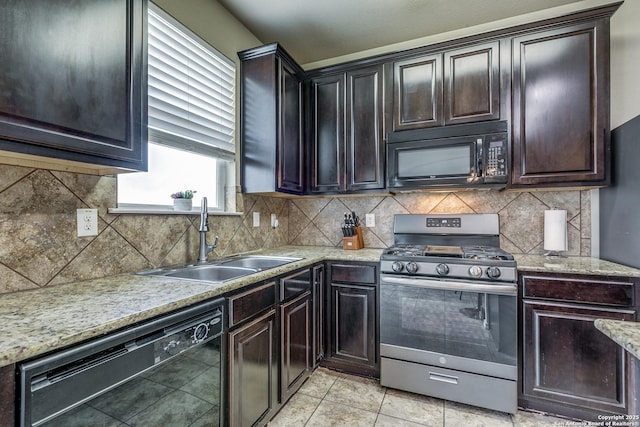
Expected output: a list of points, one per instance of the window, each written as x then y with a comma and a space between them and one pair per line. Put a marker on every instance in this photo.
191, 119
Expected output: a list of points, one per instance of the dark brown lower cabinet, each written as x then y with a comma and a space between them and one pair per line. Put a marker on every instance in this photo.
253, 372
253, 356
353, 333
7, 396
295, 327
568, 367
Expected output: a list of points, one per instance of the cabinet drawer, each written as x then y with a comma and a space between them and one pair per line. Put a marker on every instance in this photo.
294, 285
579, 290
354, 273
247, 304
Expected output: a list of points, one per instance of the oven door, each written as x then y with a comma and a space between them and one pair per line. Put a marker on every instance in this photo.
461, 325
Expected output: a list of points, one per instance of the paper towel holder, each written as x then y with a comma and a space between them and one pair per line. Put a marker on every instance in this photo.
555, 232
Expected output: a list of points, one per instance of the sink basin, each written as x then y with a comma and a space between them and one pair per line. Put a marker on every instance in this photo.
206, 273
257, 261
212, 273
223, 269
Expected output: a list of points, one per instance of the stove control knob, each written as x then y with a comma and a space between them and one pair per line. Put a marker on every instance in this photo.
475, 271
442, 269
397, 266
493, 272
412, 267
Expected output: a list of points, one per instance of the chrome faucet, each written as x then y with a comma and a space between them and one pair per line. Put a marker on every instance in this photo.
204, 227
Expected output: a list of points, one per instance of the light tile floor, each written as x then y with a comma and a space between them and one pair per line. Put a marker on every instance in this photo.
330, 398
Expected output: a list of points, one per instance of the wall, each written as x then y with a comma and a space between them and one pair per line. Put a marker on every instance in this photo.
39, 246
316, 221
38, 242
619, 222
625, 63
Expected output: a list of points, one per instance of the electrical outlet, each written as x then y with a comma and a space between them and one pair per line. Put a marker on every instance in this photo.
87, 222
370, 220
256, 219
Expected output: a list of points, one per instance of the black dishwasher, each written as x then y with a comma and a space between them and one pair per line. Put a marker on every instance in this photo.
164, 372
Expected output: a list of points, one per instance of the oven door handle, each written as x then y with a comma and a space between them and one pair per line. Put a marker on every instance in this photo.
457, 285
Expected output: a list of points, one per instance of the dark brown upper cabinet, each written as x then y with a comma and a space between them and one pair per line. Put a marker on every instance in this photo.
561, 106
347, 131
457, 86
417, 94
472, 84
327, 133
73, 84
272, 143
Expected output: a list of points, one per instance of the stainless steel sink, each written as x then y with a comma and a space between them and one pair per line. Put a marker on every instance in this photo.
257, 261
211, 273
223, 269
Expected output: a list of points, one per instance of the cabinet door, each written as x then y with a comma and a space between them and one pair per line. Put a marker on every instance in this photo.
353, 323
472, 84
253, 372
296, 344
290, 138
560, 106
73, 80
7, 395
417, 94
327, 134
365, 130
318, 313
271, 121
566, 360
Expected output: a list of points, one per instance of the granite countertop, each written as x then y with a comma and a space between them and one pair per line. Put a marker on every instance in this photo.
573, 265
35, 322
39, 321
624, 333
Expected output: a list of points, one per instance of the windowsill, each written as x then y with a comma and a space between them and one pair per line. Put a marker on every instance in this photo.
167, 211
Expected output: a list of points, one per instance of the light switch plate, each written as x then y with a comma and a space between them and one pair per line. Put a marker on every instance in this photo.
256, 219
87, 222
370, 220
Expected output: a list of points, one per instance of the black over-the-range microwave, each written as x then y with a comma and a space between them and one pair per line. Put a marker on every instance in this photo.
460, 156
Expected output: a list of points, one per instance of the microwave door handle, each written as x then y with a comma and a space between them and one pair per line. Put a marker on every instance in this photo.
479, 157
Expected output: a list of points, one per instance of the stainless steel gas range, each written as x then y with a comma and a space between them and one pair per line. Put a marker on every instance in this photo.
448, 314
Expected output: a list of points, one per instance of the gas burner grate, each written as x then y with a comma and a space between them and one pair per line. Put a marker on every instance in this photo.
486, 253
405, 250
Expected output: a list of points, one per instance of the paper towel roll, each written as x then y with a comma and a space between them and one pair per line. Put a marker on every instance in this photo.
555, 230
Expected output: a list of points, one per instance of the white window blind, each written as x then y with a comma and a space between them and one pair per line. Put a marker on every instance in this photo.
191, 90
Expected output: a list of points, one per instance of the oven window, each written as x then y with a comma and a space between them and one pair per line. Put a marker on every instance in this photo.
443, 161
466, 324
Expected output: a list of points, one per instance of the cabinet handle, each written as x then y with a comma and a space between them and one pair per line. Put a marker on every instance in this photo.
443, 378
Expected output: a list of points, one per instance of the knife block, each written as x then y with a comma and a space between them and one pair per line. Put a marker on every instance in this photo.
353, 242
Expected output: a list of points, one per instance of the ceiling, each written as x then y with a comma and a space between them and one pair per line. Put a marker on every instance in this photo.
316, 30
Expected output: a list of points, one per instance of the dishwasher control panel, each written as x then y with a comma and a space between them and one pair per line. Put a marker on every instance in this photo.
191, 334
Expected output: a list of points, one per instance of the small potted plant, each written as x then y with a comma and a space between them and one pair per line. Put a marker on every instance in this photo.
182, 200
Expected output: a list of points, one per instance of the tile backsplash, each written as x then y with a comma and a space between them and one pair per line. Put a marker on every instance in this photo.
39, 246
315, 221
